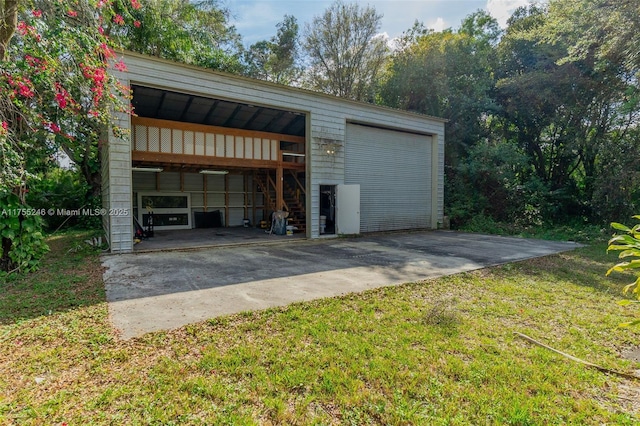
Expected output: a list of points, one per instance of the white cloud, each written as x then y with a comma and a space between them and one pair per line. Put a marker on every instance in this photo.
438, 25
502, 9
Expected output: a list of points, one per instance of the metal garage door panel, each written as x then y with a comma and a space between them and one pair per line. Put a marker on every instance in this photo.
394, 172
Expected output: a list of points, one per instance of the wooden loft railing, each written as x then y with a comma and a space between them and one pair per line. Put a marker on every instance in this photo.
164, 141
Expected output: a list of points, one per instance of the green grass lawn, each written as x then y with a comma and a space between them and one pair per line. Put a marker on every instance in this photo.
435, 352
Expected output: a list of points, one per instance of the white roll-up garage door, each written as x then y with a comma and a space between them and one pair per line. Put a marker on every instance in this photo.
393, 169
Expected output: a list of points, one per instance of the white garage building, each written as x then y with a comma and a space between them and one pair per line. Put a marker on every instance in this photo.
213, 149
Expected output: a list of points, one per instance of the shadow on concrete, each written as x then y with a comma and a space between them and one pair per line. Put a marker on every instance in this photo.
165, 290
404, 257
209, 237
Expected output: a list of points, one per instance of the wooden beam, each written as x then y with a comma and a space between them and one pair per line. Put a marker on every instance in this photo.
253, 117
232, 116
245, 186
205, 161
204, 186
226, 201
186, 108
273, 120
295, 177
154, 122
160, 102
210, 112
253, 196
279, 188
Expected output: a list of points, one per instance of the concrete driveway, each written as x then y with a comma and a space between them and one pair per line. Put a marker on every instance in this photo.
165, 290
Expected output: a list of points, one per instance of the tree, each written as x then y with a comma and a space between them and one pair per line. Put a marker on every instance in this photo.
57, 92
345, 52
562, 113
447, 74
606, 28
276, 59
196, 33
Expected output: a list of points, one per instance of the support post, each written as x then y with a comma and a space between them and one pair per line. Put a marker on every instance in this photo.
279, 187
226, 200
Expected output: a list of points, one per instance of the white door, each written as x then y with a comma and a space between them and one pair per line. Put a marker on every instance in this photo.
348, 209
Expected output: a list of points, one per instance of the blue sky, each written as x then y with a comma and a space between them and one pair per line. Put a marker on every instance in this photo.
256, 19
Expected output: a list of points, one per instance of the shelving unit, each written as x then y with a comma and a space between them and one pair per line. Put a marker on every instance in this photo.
233, 194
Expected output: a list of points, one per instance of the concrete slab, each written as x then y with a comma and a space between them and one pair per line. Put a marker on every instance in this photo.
165, 290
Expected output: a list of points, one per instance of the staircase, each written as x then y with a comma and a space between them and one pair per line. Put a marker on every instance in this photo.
297, 212
292, 199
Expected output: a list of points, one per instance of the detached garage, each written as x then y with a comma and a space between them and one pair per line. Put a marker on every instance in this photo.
207, 147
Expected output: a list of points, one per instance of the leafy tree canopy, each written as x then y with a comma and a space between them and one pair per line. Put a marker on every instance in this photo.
344, 50
276, 59
191, 32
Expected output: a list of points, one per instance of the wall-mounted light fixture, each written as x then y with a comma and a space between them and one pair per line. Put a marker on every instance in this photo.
293, 154
329, 146
214, 172
147, 169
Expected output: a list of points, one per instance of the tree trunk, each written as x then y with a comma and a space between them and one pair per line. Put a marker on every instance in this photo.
8, 22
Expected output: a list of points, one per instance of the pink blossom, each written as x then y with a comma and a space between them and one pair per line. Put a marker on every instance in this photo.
4, 127
101, 30
118, 20
37, 13
61, 100
120, 66
107, 51
23, 28
135, 4
136, 24
52, 127
25, 90
33, 62
72, 13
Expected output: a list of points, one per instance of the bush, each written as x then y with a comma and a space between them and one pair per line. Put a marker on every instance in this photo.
495, 181
20, 232
628, 244
62, 189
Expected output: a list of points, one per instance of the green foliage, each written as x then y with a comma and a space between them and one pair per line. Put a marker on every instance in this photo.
601, 27
276, 60
447, 74
58, 91
616, 194
574, 119
434, 353
628, 244
63, 189
20, 233
562, 133
494, 184
196, 33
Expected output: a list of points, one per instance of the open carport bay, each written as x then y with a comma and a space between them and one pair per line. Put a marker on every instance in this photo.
165, 290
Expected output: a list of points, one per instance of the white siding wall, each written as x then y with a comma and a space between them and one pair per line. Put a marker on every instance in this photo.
326, 118
116, 184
